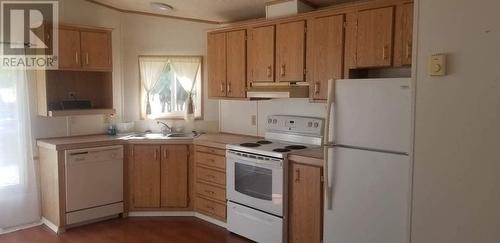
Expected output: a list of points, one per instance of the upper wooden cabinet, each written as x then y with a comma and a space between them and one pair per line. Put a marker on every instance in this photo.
227, 64
96, 50
236, 63
159, 176
84, 49
375, 37
404, 35
261, 54
69, 48
217, 65
290, 51
325, 53
305, 203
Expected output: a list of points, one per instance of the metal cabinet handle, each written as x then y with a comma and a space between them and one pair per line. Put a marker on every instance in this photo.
211, 176
210, 192
87, 58
269, 71
156, 154
297, 175
165, 153
283, 66
229, 87
76, 57
408, 49
316, 88
222, 87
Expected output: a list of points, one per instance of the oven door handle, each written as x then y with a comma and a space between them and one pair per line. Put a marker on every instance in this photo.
258, 163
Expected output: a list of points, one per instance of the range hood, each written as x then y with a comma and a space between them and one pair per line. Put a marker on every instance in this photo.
278, 90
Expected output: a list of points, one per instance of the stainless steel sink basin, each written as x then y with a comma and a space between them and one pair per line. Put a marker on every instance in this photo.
181, 135
162, 136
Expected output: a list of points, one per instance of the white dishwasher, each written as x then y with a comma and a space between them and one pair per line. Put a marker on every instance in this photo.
94, 183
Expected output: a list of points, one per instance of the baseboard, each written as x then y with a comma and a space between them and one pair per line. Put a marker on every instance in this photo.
161, 214
177, 214
50, 225
211, 220
20, 227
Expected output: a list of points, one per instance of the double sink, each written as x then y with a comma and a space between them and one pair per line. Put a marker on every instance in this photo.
162, 136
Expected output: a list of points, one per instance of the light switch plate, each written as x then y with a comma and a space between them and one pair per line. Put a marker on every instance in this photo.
437, 65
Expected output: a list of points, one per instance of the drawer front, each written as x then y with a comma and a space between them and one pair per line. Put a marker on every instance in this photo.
212, 176
211, 207
221, 152
211, 191
211, 160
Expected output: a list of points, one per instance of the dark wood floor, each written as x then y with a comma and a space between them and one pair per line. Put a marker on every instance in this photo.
131, 230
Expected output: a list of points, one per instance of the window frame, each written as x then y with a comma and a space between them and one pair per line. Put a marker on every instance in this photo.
172, 117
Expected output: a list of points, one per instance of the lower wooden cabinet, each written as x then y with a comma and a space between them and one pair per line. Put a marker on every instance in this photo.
159, 177
305, 203
210, 182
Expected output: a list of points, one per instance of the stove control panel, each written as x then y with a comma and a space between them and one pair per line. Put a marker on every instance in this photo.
295, 124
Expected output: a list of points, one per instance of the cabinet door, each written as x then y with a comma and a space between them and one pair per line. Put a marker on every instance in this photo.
69, 48
290, 51
261, 54
374, 39
174, 176
146, 176
305, 208
236, 63
96, 50
404, 35
325, 52
217, 65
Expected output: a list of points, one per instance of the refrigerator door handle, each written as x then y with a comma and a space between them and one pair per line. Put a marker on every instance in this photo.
328, 140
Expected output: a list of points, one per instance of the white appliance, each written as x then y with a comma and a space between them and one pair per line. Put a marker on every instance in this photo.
257, 175
367, 167
94, 183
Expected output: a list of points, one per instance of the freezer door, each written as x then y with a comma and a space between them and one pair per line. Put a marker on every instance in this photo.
370, 198
373, 113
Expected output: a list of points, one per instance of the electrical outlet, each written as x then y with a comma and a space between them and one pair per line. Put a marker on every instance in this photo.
254, 120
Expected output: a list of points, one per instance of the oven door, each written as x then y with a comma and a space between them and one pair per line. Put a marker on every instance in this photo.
255, 181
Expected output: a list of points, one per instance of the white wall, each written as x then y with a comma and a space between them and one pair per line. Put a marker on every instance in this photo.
236, 116
457, 128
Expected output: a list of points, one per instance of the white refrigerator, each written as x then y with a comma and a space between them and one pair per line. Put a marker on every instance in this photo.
367, 167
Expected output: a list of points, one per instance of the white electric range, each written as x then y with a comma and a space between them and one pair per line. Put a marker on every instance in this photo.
257, 175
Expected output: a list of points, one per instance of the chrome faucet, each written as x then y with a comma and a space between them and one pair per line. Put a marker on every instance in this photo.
166, 129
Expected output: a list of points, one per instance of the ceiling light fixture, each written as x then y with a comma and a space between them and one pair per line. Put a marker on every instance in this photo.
162, 6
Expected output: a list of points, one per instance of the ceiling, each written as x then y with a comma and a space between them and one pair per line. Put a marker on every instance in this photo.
209, 10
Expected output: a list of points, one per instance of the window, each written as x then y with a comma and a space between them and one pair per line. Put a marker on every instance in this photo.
170, 86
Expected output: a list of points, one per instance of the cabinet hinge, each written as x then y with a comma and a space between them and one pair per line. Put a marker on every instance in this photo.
305, 71
345, 24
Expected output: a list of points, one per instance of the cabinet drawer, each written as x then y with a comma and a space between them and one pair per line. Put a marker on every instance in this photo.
211, 208
212, 176
211, 160
211, 192
210, 150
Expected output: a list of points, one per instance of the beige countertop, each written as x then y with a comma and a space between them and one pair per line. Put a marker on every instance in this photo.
217, 140
309, 156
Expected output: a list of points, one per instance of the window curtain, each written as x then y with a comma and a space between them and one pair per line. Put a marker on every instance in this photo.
19, 190
186, 70
151, 69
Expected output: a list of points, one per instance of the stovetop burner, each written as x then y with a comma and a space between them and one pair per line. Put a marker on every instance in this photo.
295, 147
281, 150
264, 142
250, 145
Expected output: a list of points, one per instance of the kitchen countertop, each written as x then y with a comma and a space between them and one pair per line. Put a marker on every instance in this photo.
217, 140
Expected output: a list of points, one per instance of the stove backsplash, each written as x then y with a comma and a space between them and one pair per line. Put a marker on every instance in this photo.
249, 117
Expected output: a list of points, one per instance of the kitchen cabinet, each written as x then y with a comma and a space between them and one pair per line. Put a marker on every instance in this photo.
96, 50
375, 37
236, 63
159, 176
174, 176
146, 176
69, 48
305, 203
261, 54
290, 51
227, 64
325, 51
404, 35
210, 179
